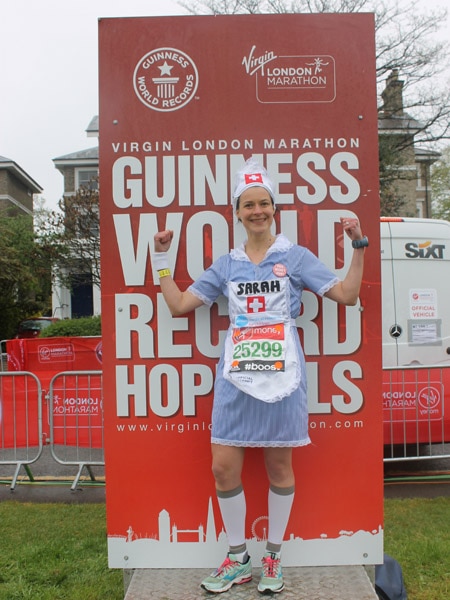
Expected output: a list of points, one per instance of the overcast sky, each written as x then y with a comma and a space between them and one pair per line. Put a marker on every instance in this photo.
49, 91
49, 73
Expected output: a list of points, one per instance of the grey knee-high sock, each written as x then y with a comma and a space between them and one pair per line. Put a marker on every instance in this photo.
233, 509
280, 504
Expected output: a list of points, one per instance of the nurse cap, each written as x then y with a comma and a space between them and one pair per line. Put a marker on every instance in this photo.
252, 174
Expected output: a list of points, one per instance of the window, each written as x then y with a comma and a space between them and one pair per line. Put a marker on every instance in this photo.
419, 176
86, 178
89, 224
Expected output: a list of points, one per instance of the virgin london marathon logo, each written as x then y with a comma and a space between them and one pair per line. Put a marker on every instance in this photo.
165, 79
291, 79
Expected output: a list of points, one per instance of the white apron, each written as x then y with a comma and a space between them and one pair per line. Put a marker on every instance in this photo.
261, 357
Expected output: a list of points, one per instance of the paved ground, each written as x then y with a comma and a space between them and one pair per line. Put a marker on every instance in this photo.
53, 482
430, 478
428, 489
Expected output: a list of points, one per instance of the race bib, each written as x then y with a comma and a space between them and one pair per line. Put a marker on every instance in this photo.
260, 347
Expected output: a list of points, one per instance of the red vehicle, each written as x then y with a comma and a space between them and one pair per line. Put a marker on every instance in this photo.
31, 328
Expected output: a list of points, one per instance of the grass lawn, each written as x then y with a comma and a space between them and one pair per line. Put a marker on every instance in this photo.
58, 551
55, 552
417, 534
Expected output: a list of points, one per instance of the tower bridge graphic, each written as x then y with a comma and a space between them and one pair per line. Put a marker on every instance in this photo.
206, 548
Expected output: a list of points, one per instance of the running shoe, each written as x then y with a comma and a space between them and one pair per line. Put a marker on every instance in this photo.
271, 581
230, 572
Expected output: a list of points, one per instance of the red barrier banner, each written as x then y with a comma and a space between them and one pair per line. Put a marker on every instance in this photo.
54, 355
414, 403
184, 102
77, 409
19, 411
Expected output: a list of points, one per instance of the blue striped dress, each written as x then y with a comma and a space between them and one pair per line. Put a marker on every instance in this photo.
239, 419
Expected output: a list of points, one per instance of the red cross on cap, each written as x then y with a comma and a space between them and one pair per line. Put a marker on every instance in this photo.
253, 177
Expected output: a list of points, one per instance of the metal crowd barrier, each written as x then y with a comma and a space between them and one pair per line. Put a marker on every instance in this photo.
75, 416
416, 412
3, 356
20, 421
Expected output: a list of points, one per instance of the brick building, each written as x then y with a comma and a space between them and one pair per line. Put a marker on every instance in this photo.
412, 167
79, 170
16, 189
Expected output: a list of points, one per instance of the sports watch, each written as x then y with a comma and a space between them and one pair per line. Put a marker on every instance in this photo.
362, 243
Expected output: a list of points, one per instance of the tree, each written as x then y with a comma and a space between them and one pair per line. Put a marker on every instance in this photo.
25, 280
71, 236
440, 186
406, 45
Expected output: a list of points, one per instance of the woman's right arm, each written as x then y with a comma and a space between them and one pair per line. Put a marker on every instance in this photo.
178, 302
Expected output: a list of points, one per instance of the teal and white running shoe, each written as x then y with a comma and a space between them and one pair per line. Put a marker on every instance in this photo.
230, 572
271, 581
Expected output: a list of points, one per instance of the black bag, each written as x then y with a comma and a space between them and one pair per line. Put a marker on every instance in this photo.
389, 583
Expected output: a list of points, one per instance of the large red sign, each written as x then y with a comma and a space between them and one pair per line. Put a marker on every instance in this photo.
184, 101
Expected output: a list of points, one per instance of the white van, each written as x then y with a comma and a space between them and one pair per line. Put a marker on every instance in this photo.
415, 274
415, 282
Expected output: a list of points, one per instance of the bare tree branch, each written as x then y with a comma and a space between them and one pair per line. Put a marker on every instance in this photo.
73, 234
405, 41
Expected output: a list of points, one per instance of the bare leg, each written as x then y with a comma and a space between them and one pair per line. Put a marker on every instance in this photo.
227, 462
279, 467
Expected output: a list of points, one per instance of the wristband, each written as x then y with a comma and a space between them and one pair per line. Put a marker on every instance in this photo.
362, 243
164, 273
160, 261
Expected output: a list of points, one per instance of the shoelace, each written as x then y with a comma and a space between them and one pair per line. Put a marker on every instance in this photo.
225, 566
271, 566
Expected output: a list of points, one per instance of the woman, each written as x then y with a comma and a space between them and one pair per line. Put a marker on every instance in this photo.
259, 399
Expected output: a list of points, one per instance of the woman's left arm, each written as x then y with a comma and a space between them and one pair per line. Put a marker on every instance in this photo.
347, 290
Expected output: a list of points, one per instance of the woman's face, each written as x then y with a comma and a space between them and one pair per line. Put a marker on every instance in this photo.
256, 209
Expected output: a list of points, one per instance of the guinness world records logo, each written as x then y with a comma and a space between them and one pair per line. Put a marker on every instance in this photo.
165, 79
